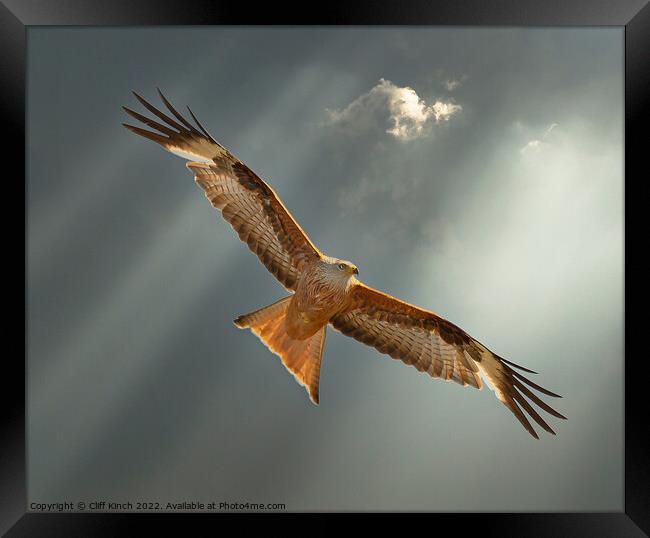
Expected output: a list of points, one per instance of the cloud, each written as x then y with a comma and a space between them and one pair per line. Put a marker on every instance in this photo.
398, 110
451, 84
532, 146
443, 111
550, 128
536, 145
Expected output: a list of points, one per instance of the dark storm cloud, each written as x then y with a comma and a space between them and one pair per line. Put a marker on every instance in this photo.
507, 219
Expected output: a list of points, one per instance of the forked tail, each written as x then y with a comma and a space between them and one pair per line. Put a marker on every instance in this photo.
301, 357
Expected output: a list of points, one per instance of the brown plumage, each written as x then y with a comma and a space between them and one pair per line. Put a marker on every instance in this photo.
325, 289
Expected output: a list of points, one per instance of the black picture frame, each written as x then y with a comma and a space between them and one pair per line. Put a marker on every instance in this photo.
17, 15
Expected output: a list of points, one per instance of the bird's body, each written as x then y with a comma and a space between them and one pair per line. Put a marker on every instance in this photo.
324, 290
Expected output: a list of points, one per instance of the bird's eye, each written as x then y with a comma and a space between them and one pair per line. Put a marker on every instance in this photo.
342, 266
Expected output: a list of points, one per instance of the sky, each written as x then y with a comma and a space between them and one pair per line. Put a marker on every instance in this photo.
476, 172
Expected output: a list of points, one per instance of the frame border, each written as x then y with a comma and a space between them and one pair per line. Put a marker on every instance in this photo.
17, 15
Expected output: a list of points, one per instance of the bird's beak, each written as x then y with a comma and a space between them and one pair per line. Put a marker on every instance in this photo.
355, 271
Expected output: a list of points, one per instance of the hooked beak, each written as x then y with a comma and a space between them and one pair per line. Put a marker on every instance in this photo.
355, 271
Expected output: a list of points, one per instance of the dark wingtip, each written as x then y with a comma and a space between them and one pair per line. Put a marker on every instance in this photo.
178, 116
142, 100
519, 386
192, 114
203, 129
155, 137
517, 365
162, 97
534, 385
130, 112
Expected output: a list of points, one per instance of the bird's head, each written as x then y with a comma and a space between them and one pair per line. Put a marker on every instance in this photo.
340, 269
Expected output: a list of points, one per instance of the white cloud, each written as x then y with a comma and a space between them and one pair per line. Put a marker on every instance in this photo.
536, 145
443, 111
533, 146
399, 110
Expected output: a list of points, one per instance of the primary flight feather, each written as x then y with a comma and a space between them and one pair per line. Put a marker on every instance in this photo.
325, 290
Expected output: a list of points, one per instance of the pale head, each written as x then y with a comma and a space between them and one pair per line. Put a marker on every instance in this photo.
338, 270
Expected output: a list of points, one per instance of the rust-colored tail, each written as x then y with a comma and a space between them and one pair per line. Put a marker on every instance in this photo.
301, 357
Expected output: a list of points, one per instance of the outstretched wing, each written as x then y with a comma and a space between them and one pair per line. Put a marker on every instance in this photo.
438, 347
246, 201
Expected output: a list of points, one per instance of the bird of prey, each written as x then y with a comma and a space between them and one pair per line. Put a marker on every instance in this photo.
325, 290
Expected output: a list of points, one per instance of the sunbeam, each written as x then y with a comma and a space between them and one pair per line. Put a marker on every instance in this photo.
507, 220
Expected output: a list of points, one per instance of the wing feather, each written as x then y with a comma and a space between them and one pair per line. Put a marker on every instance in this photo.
436, 346
258, 216
246, 202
